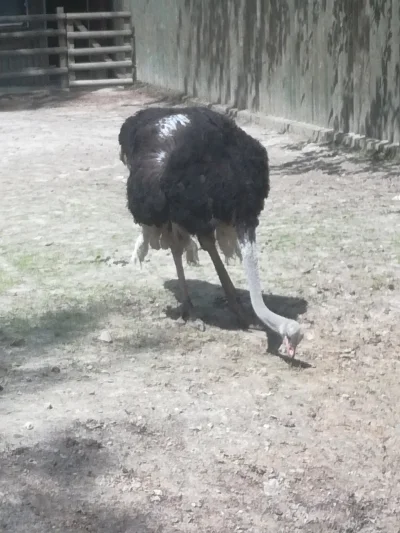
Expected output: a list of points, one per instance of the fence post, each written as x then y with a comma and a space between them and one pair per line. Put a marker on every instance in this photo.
63, 44
71, 57
133, 53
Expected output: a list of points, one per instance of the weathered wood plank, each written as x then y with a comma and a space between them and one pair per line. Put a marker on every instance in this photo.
99, 65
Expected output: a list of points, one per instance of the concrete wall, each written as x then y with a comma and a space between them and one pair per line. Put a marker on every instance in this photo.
332, 63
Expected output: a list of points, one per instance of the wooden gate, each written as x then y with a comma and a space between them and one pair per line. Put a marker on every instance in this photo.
88, 49
105, 56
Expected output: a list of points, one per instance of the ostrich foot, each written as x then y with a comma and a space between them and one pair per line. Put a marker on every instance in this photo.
187, 310
240, 313
140, 251
192, 255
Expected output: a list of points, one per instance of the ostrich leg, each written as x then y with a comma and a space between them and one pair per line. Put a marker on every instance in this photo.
208, 243
187, 305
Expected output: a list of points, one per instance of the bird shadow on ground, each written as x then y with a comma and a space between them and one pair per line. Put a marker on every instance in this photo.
211, 307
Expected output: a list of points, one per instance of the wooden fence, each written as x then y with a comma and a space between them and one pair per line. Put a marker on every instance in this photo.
81, 56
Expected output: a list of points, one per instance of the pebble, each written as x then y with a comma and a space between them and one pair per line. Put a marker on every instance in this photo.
271, 486
199, 325
49, 406
17, 343
55, 369
289, 424
28, 425
105, 336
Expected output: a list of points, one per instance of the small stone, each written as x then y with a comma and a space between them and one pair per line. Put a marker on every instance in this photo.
199, 325
155, 499
289, 424
55, 369
157, 492
271, 486
49, 406
17, 343
90, 367
28, 425
105, 336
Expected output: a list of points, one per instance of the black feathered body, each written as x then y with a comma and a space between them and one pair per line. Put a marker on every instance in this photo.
192, 167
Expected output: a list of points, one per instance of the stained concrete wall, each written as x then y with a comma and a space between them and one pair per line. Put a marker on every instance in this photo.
331, 63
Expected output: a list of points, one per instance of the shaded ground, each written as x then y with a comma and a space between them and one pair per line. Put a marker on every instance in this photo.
170, 428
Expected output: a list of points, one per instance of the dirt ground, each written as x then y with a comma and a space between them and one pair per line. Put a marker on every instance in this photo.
199, 427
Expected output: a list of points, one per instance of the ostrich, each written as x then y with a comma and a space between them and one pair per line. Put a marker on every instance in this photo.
194, 172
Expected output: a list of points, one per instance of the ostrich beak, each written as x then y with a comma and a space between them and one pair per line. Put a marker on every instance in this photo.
290, 348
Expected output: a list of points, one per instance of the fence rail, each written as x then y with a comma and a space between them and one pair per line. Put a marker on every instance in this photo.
114, 57
100, 50
31, 72
33, 51
29, 33
19, 19
99, 15
96, 34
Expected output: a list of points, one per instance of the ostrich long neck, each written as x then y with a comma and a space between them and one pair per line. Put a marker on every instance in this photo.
248, 247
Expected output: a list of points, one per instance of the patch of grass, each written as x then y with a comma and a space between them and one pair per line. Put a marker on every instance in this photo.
25, 262
6, 281
395, 244
37, 263
63, 318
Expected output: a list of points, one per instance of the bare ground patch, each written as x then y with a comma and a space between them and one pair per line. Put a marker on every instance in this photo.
180, 428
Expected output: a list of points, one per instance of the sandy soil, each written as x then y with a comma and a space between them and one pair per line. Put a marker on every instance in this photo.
198, 427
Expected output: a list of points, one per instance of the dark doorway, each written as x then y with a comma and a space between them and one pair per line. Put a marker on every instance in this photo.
79, 6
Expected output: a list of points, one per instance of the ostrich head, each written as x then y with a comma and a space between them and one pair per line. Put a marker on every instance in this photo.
292, 335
